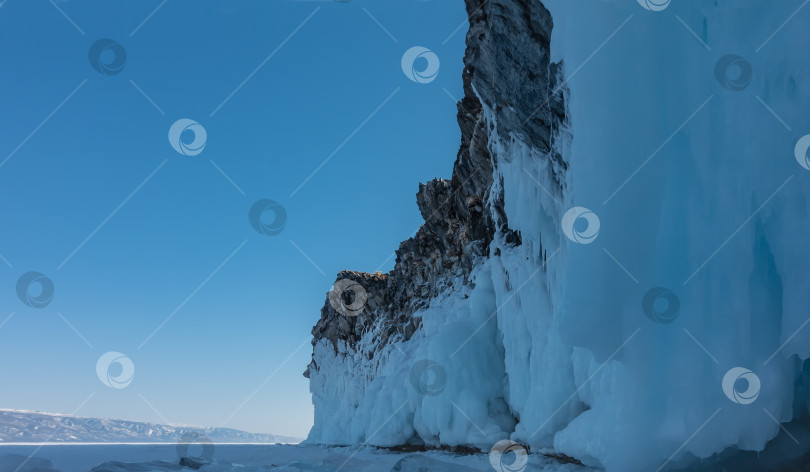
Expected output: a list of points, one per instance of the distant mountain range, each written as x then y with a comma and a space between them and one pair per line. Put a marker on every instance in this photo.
33, 427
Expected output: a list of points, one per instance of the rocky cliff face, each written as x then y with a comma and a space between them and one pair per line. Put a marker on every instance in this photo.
512, 92
389, 352
507, 66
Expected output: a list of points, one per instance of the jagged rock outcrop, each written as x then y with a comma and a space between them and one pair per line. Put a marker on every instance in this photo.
385, 368
507, 65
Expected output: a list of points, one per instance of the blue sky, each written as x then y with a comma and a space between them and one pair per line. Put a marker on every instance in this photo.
133, 233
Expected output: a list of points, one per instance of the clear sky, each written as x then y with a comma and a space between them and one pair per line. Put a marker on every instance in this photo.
151, 252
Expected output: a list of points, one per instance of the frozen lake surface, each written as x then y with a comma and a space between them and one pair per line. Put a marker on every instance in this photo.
246, 458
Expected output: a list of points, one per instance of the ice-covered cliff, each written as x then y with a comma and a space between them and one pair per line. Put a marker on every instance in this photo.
617, 274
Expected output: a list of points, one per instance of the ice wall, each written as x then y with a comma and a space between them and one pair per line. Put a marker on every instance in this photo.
686, 154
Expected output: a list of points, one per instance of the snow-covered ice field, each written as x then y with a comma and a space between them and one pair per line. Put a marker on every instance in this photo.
248, 458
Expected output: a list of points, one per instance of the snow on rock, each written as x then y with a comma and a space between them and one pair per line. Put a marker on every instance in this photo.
616, 272
412, 383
